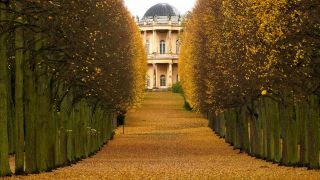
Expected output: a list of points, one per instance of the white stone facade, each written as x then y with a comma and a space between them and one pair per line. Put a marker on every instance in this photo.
161, 37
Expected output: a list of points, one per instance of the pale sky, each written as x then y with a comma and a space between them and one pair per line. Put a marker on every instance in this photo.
139, 7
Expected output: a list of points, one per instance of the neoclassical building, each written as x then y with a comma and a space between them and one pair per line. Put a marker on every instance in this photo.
161, 29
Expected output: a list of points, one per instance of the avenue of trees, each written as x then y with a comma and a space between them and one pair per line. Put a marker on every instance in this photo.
67, 67
254, 68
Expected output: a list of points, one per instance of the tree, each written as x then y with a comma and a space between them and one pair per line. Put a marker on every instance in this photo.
4, 99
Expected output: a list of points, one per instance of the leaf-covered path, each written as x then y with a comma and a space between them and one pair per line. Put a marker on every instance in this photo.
163, 141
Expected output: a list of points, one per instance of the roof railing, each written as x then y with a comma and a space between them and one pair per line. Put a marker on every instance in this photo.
158, 20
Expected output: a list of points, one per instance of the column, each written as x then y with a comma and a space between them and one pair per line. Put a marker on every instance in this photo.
170, 75
179, 40
170, 41
150, 74
145, 42
145, 36
154, 43
154, 76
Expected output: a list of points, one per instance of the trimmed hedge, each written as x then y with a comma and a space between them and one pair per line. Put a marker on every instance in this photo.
287, 133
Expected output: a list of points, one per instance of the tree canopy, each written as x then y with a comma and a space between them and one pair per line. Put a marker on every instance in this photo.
236, 51
67, 67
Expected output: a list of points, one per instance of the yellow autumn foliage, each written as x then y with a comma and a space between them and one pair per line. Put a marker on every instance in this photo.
232, 48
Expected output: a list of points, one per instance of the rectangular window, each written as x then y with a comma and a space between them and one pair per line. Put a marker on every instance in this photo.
162, 47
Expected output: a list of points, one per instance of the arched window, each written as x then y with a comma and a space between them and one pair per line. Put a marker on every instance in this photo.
147, 46
177, 47
162, 80
162, 47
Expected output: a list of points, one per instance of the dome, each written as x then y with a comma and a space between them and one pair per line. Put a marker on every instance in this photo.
162, 9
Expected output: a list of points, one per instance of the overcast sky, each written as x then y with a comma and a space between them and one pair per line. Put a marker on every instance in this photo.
139, 7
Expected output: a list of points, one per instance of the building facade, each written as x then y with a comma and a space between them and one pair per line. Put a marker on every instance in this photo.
160, 30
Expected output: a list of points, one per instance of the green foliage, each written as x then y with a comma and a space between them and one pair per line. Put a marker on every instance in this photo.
177, 88
187, 106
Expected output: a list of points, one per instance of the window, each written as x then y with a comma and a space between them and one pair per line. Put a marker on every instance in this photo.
162, 47
162, 80
147, 47
177, 47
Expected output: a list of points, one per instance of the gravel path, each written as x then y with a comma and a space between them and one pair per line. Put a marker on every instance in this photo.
163, 141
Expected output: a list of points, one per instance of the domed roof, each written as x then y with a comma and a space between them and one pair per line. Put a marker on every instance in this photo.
162, 9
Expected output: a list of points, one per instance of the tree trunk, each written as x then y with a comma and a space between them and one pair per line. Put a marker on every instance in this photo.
258, 125
273, 115
289, 132
51, 124
42, 109
30, 116
256, 140
11, 112
314, 135
4, 88
243, 115
19, 104
83, 127
270, 118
